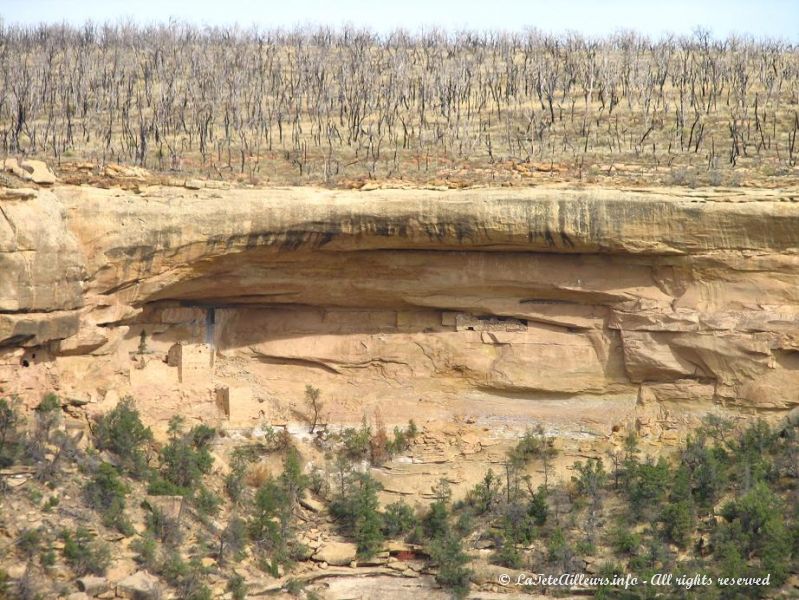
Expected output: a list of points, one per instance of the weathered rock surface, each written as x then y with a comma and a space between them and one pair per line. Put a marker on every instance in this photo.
31, 170
472, 301
336, 553
92, 585
141, 585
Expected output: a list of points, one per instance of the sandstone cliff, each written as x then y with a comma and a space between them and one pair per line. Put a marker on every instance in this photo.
567, 306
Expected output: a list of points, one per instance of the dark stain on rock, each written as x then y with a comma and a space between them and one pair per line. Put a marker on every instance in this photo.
550, 240
464, 230
293, 240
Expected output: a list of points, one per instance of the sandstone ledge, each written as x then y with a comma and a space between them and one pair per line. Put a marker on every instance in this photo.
654, 297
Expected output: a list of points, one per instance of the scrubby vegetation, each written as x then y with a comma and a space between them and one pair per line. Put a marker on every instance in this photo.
121, 431
336, 107
723, 506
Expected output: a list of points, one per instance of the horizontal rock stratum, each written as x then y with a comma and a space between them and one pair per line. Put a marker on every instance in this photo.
628, 299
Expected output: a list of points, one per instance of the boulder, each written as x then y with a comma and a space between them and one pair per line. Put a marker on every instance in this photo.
11, 165
38, 172
336, 553
141, 585
92, 585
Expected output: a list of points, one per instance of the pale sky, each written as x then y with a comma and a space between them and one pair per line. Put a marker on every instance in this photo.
760, 18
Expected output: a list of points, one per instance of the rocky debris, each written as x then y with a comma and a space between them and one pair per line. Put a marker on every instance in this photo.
116, 171
30, 170
336, 553
141, 585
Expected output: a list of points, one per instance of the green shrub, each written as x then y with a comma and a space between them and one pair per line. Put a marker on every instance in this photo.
356, 442
173, 568
399, 519
318, 483
485, 495
191, 587
85, 554
559, 551
184, 460
233, 539
706, 469
276, 439
368, 526
624, 541
206, 502
237, 587
357, 513
678, 522
29, 542
292, 479
185, 577
647, 484
752, 452
121, 431
402, 438
436, 521
465, 523
448, 554
585, 548
269, 527
9, 419
533, 444
165, 528
756, 526
508, 555
47, 557
106, 493
295, 587
538, 507
47, 417
235, 483
591, 477
518, 526
145, 548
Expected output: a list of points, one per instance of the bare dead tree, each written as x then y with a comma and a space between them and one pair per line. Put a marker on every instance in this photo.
322, 105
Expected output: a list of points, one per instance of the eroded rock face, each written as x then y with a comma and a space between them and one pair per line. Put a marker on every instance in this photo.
542, 303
